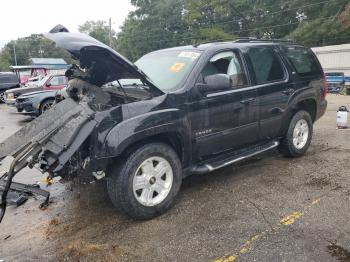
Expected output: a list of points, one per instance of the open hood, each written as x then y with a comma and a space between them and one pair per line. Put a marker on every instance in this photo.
91, 52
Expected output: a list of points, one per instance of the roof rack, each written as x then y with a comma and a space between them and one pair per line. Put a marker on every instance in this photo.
258, 40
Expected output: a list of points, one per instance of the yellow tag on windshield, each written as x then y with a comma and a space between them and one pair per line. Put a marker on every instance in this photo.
176, 67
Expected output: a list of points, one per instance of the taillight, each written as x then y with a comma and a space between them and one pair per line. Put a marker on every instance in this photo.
325, 87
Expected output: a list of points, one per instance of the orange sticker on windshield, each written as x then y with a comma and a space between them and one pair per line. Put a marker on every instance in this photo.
176, 67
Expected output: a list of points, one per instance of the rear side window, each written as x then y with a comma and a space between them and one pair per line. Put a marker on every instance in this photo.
303, 61
266, 64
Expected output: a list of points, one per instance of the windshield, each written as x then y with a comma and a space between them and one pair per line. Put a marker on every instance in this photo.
167, 69
25, 73
42, 81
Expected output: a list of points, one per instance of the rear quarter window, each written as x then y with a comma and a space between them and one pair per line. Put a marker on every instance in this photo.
304, 61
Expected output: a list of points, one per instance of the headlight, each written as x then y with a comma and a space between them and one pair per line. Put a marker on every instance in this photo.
10, 96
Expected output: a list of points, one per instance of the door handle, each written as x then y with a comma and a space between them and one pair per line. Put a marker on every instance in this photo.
247, 101
288, 91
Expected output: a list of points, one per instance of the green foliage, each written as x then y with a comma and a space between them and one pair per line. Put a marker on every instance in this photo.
333, 28
100, 31
157, 24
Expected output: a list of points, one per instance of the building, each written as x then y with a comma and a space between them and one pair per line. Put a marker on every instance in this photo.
335, 58
53, 66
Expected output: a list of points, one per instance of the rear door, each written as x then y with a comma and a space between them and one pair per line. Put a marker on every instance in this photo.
274, 88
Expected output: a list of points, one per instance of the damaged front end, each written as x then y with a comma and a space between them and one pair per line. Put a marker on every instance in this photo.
62, 141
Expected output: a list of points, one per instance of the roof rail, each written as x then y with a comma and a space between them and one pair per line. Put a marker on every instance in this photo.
258, 40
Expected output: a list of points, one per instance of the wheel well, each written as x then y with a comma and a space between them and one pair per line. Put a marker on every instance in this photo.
46, 99
308, 105
172, 139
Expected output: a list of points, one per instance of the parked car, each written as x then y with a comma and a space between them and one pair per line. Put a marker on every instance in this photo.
176, 112
50, 82
35, 103
335, 82
8, 81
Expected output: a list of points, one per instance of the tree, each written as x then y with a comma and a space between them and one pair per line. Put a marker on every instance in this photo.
100, 31
331, 27
29, 47
157, 24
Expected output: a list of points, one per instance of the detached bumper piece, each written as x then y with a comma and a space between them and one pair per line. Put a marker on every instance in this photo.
19, 193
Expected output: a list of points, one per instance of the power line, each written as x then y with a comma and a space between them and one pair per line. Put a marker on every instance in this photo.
246, 30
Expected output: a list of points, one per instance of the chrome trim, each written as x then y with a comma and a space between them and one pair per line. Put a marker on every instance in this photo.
211, 168
248, 88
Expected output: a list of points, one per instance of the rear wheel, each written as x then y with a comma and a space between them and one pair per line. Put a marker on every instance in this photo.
299, 135
146, 184
46, 105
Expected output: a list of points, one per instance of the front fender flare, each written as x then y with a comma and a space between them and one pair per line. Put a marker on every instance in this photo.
145, 126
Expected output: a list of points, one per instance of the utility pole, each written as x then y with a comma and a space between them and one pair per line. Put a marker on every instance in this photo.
110, 32
14, 52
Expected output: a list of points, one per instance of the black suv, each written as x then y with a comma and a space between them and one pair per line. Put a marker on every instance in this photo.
175, 112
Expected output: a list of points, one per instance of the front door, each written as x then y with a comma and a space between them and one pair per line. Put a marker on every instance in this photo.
228, 119
56, 83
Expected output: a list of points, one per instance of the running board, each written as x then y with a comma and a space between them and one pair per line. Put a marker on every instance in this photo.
221, 162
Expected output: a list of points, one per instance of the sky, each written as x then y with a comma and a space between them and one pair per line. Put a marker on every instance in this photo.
22, 17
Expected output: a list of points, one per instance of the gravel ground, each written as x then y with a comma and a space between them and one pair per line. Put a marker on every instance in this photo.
269, 208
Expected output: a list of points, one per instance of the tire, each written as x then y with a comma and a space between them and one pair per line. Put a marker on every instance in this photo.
130, 188
2, 97
46, 105
299, 135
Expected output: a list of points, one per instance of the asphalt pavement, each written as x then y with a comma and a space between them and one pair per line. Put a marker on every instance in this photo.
269, 208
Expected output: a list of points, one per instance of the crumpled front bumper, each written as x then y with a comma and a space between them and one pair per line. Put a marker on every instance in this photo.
27, 108
48, 142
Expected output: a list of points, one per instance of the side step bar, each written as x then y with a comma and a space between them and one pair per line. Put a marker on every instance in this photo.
213, 165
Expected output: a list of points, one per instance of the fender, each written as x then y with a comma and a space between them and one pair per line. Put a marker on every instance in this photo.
147, 125
302, 94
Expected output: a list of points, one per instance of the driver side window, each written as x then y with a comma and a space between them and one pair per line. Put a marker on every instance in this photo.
227, 63
57, 80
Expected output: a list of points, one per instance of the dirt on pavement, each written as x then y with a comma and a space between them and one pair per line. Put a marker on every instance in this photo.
269, 208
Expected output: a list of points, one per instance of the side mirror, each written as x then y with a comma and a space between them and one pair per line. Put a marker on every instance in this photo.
215, 83
48, 84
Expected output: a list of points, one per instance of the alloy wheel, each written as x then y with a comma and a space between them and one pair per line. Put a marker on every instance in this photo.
300, 134
152, 181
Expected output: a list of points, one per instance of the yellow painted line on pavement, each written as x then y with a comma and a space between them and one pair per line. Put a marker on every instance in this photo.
284, 222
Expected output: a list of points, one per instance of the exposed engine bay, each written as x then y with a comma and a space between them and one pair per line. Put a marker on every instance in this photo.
62, 141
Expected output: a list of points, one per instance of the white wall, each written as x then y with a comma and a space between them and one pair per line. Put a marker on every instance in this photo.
334, 58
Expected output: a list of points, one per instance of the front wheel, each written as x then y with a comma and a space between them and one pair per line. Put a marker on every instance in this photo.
299, 135
46, 105
147, 182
